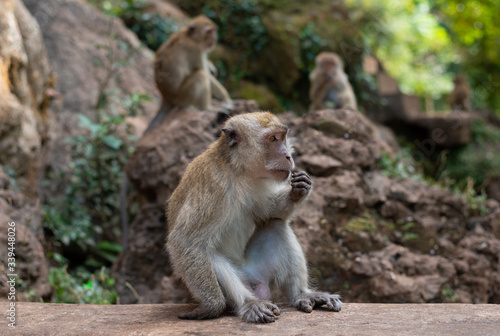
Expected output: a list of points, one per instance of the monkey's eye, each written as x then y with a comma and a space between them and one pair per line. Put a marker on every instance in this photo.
273, 138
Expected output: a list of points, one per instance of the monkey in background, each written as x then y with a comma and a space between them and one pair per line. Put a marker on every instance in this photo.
229, 235
461, 95
182, 69
330, 87
184, 76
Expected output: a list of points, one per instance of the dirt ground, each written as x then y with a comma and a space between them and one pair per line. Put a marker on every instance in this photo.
161, 319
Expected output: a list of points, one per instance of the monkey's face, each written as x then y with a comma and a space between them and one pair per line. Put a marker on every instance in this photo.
210, 37
258, 141
328, 62
279, 161
204, 32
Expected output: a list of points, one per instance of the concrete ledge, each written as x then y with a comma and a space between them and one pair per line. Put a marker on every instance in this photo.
161, 319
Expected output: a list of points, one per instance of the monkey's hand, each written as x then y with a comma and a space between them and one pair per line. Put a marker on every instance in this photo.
259, 312
301, 186
308, 301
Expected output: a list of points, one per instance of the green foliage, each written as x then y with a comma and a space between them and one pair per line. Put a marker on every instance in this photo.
88, 207
12, 178
448, 294
71, 222
240, 24
473, 27
408, 38
478, 160
403, 165
311, 44
152, 29
366, 222
81, 286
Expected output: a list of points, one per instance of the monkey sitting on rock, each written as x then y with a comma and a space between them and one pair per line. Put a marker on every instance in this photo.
182, 69
330, 87
229, 235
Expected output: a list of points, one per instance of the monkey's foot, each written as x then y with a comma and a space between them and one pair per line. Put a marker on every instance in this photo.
259, 312
308, 301
202, 313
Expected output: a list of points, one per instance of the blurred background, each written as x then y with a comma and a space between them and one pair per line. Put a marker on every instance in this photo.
405, 207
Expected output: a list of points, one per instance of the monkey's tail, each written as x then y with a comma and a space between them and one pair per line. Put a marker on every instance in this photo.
157, 120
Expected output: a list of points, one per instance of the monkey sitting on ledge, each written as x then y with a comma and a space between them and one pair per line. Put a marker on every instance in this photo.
229, 235
330, 87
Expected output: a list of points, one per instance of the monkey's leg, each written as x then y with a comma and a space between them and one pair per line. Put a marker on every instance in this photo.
218, 90
247, 306
198, 273
293, 273
196, 90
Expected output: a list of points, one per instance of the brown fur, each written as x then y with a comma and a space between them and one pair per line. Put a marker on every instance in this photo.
330, 87
182, 70
461, 95
229, 237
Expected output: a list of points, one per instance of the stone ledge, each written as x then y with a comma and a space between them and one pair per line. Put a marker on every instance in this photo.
161, 319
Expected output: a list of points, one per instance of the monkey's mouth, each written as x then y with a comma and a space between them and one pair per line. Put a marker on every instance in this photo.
283, 173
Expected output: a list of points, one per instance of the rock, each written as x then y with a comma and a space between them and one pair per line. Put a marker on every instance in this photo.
411, 278
166, 9
385, 239
156, 166
78, 37
493, 223
142, 266
358, 319
447, 130
32, 267
377, 187
319, 165
342, 123
262, 94
493, 188
24, 77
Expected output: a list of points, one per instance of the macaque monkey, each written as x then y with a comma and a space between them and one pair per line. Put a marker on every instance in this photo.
229, 235
461, 95
185, 77
182, 69
330, 87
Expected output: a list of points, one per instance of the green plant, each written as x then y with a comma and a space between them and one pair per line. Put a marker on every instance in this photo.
82, 286
476, 202
240, 24
467, 169
86, 210
402, 165
366, 222
448, 294
12, 178
311, 44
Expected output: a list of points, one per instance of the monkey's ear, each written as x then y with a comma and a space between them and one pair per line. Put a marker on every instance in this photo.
191, 30
231, 136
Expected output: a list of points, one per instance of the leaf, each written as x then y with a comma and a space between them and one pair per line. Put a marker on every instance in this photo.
109, 246
112, 141
86, 122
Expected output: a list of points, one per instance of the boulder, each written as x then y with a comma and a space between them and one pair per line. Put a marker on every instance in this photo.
366, 235
25, 77
79, 40
23, 223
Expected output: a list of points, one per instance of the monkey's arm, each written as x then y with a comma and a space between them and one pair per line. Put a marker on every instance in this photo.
218, 90
286, 201
318, 91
